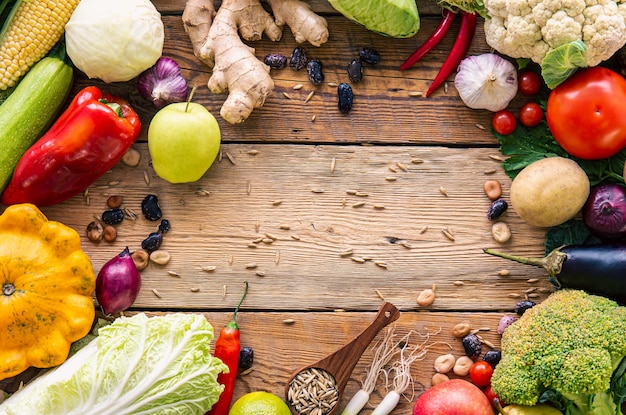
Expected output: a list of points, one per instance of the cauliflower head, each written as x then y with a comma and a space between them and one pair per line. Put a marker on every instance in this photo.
532, 28
570, 343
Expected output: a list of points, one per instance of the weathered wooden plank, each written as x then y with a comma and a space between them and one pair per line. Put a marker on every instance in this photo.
286, 213
384, 110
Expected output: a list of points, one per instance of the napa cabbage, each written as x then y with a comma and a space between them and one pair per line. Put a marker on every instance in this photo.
136, 365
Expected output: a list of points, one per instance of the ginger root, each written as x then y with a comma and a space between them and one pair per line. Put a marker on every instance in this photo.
216, 41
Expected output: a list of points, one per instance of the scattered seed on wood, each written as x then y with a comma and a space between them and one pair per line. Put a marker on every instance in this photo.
333, 163
361, 194
257, 226
286, 95
156, 293
333, 84
260, 273
295, 237
277, 257
391, 178
277, 202
146, 178
357, 259
271, 236
532, 280
358, 204
458, 283
317, 190
533, 295
445, 87
297, 87
351, 192
402, 167
448, 234
488, 344
416, 94
381, 264
313, 117
423, 229
231, 259
504, 273
209, 268
417, 161
173, 274
224, 291
344, 202
252, 245
251, 265
530, 290
406, 244
202, 192
114, 183
379, 294
231, 158
289, 321
220, 156
267, 240
258, 240
194, 289
496, 157
443, 190
514, 295
480, 126
249, 187
393, 169
253, 152
489, 171
285, 227
309, 96
246, 372
130, 214
379, 207
347, 252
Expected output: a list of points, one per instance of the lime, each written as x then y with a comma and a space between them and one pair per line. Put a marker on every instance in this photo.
259, 403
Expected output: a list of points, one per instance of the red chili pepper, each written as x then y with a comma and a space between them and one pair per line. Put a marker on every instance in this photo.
432, 41
227, 348
86, 141
458, 51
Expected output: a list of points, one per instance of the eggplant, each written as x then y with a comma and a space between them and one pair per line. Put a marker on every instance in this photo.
598, 269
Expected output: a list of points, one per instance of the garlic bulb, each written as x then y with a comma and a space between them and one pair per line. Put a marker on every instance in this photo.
486, 81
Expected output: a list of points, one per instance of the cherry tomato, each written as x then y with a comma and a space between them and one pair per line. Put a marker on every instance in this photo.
480, 373
493, 397
528, 82
585, 113
504, 122
530, 114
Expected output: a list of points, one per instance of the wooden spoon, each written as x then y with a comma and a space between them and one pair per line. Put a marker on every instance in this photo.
341, 363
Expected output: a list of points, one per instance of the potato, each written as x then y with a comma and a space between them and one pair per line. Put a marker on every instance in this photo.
549, 191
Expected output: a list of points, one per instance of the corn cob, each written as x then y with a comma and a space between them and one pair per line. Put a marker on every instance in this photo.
33, 27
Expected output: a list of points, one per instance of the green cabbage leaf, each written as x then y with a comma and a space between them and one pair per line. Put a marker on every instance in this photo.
137, 365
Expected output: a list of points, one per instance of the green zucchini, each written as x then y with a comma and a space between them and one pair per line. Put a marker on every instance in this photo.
30, 109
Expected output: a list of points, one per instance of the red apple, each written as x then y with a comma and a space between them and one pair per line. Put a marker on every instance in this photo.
453, 397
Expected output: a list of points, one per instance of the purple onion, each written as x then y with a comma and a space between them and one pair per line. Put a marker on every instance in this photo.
118, 283
163, 83
604, 213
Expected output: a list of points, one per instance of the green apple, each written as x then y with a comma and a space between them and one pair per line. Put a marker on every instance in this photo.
183, 139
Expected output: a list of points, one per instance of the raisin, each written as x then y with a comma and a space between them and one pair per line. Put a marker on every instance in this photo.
246, 358
355, 70
164, 226
369, 55
298, 58
492, 357
315, 72
275, 60
472, 345
344, 93
522, 306
152, 242
150, 207
113, 216
497, 208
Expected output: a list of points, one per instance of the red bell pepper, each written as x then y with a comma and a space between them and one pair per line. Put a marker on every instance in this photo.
87, 140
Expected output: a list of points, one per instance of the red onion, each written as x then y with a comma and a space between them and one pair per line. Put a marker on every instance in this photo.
604, 213
163, 83
118, 283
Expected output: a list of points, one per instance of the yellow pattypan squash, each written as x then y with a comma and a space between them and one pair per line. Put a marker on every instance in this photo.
47, 284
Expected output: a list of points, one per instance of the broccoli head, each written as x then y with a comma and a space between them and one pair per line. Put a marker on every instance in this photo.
568, 350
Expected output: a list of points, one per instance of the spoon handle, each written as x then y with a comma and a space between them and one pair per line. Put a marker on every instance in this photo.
345, 359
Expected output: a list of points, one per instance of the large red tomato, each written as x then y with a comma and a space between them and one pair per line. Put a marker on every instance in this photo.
586, 113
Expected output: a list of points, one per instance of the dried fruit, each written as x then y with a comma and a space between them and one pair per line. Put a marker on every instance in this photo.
164, 226
497, 208
426, 297
472, 346
355, 70
275, 60
95, 232
439, 378
462, 366
369, 55
492, 357
444, 363
522, 306
246, 358
110, 233
345, 96
461, 330
152, 242
501, 232
493, 189
150, 207
505, 321
140, 258
113, 216
314, 70
298, 58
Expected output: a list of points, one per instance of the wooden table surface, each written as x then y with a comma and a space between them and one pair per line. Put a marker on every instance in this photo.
289, 175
